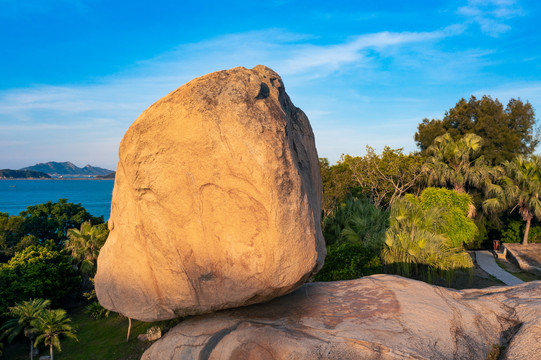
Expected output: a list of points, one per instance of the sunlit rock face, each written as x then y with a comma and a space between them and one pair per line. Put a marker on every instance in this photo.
380, 317
216, 201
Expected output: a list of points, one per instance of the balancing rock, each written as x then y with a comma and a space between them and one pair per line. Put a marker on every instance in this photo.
216, 202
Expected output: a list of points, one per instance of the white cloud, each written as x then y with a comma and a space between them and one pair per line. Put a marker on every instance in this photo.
47, 118
490, 15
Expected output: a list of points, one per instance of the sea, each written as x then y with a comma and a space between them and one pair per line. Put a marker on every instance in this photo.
94, 195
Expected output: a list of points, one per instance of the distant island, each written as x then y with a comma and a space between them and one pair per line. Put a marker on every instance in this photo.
108, 176
22, 174
67, 168
58, 170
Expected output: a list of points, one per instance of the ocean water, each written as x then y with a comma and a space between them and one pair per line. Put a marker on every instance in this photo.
94, 195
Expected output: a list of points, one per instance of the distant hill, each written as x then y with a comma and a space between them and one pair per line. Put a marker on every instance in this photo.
67, 168
22, 174
108, 176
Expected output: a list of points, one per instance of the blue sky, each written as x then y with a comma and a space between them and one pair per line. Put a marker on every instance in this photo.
75, 73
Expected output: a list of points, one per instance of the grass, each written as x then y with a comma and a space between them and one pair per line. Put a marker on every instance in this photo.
522, 275
103, 339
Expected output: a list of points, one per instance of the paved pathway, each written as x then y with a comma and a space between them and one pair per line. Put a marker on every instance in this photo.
486, 261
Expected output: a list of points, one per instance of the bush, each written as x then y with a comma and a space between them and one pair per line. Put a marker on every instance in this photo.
456, 225
513, 231
96, 311
349, 261
417, 244
356, 220
535, 234
37, 272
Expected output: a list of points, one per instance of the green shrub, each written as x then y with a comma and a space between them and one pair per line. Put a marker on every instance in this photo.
513, 232
96, 311
356, 220
349, 261
456, 225
416, 244
535, 234
37, 272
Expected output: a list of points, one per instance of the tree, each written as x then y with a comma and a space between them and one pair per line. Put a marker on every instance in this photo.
23, 314
384, 178
37, 271
456, 163
366, 225
356, 220
337, 185
507, 132
51, 325
519, 187
11, 232
52, 220
85, 244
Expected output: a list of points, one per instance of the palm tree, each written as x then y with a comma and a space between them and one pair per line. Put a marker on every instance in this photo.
455, 163
51, 324
23, 314
414, 238
519, 187
85, 244
355, 220
367, 224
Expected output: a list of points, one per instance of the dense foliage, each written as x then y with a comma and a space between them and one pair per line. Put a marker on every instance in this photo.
459, 229
507, 132
382, 178
40, 223
356, 220
518, 187
37, 272
429, 228
354, 232
52, 220
85, 243
418, 243
349, 261
456, 163
22, 174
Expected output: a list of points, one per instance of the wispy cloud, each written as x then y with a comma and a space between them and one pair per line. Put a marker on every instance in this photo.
307, 64
491, 15
292, 55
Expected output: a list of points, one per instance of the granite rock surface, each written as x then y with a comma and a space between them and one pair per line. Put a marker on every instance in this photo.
376, 317
216, 203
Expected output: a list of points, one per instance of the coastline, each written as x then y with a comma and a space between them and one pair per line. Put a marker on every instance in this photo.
49, 179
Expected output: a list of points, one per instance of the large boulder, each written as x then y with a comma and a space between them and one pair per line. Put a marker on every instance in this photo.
380, 317
216, 201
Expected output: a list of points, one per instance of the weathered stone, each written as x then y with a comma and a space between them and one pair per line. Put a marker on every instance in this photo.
526, 256
376, 317
154, 333
216, 201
